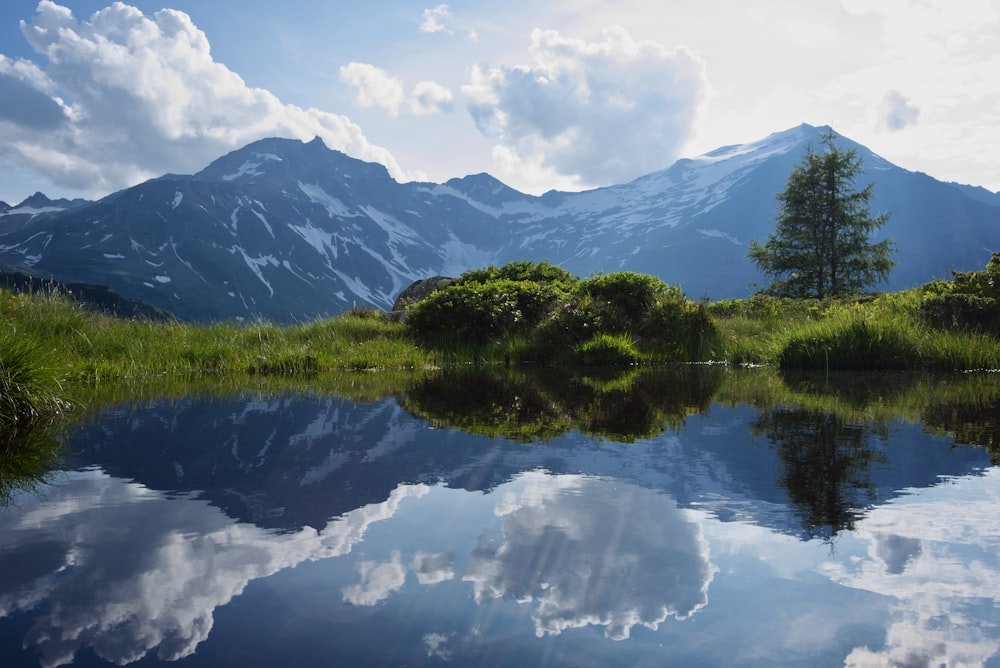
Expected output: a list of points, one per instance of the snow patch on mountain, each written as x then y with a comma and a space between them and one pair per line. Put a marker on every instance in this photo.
458, 256
719, 234
358, 287
248, 168
178, 198
33, 211
398, 231
333, 206
264, 220
256, 263
324, 242
448, 191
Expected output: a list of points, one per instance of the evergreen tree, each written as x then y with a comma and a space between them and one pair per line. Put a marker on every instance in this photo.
820, 247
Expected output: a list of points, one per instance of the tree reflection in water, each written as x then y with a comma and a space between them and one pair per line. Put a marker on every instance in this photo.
525, 405
826, 464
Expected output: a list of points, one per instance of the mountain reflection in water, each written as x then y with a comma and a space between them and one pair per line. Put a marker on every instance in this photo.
690, 516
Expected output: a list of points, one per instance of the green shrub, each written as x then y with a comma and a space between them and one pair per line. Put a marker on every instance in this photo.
679, 328
606, 350
971, 300
536, 272
476, 313
961, 311
625, 296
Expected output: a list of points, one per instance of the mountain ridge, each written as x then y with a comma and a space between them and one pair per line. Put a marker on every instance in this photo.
288, 230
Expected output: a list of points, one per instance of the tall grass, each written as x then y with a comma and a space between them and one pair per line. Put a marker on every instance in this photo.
883, 333
29, 391
93, 347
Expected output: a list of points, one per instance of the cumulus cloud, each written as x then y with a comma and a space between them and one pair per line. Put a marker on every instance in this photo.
127, 571
435, 644
125, 96
429, 97
586, 551
374, 86
596, 112
897, 112
437, 19
377, 88
433, 568
378, 581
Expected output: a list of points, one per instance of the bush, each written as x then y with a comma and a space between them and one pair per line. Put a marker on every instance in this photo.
536, 272
625, 296
479, 312
680, 328
961, 311
546, 312
970, 301
606, 350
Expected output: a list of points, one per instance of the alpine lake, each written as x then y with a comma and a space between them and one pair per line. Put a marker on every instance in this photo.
680, 516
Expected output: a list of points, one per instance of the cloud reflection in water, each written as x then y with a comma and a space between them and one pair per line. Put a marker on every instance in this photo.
593, 551
132, 571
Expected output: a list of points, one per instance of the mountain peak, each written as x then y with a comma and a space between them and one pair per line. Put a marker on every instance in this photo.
40, 202
282, 158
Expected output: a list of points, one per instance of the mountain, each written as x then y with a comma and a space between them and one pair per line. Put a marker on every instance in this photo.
290, 231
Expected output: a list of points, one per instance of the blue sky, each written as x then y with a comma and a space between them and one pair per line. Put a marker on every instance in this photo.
96, 96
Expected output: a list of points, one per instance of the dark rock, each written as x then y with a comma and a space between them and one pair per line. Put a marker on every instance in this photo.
420, 290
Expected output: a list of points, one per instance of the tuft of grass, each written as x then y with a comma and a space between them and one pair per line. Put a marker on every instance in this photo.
606, 350
29, 392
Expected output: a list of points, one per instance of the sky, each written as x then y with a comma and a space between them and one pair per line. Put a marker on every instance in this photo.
96, 96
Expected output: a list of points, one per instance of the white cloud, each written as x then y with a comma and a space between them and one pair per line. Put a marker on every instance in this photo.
437, 20
375, 87
433, 568
934, 554
435, 643
429, 97
586, 551
378, 581
597, 113
897, 112
125, 97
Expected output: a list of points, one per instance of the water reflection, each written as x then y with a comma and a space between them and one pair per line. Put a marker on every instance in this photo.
804, 522
825, 464
621, 404
936, 554
125, 571
587, 551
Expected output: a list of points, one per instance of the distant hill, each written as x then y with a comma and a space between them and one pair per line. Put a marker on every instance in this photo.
95, 297
291, 231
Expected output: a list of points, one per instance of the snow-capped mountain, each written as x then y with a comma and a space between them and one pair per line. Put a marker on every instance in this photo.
287, 231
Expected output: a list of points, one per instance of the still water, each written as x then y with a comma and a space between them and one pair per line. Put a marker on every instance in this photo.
692, 518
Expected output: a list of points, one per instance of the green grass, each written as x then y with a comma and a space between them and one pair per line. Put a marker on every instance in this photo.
52, 350
882, 333
94, 348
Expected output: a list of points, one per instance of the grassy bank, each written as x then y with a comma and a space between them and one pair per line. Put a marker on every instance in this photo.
888, 332
54, 352
91, 347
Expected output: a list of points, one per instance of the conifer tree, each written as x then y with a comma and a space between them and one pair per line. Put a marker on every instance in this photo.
821, 245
